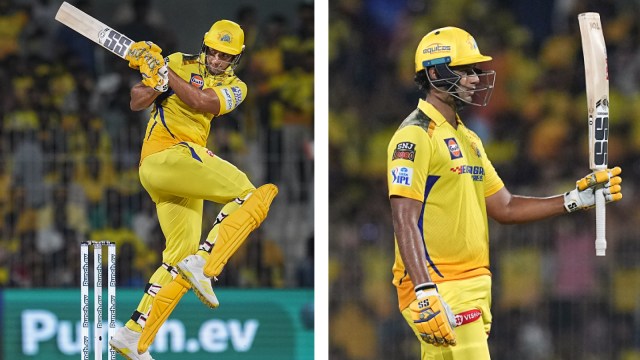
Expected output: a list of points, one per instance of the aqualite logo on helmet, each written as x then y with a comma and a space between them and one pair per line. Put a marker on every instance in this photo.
436, 48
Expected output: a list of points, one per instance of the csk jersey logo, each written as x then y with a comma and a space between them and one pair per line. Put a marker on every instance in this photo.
402, 175
454, 148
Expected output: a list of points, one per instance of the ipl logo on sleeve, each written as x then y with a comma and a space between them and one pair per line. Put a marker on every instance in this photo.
402, 175
454, 148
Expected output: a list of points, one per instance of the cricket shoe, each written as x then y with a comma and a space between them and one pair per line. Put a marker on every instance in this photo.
125, 342
191, 269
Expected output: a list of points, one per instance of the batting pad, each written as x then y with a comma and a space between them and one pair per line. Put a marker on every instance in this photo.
163, 304
235, 229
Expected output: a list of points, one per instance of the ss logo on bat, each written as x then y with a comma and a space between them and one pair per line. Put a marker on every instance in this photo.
601, 132
114, 41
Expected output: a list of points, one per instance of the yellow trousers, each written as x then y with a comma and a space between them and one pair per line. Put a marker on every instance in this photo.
178, 180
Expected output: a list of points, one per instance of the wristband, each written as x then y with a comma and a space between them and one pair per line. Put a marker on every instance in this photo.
425, 286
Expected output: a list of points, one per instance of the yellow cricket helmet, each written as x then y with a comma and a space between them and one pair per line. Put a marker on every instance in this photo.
445, 49
448, 45
225, 36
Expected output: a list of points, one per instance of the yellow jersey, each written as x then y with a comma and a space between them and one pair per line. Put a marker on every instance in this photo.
448, 171
172, 121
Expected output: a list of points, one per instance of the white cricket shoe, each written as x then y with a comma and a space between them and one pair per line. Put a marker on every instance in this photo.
125, 342
191, 269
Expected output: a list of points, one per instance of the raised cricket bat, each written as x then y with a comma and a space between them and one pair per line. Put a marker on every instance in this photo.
94, 30
597, 84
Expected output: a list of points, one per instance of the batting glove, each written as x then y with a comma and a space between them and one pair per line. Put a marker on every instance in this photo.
137, 52
432, 316
583, 196
150, 70
163, 84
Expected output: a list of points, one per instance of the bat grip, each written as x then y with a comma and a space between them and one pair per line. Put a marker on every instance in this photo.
601, 220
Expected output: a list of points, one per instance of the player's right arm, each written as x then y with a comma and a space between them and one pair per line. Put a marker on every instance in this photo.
409, 155
153, 69
430, 313
406, 215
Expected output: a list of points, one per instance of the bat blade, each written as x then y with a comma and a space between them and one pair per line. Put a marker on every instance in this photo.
597, 86
94, 30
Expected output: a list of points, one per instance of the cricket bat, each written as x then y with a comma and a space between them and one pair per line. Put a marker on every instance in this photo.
94, 30
597, 84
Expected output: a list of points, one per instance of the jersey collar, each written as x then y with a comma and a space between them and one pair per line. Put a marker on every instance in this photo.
434, 114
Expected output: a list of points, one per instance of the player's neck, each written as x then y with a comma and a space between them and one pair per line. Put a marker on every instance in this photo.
445, 106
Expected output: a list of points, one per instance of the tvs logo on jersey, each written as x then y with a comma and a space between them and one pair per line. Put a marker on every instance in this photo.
197, 81
454, 148
402, 175
405, 150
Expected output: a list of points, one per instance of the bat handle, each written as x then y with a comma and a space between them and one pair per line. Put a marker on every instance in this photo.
601, 221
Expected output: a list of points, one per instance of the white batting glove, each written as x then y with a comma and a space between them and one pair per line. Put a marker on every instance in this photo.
583, 196
163, 83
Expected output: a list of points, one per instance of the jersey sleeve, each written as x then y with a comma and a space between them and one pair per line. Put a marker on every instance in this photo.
230, 95
175, 62
408, 158
492, 181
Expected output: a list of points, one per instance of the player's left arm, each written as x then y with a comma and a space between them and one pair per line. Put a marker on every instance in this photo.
142, 97
507, 208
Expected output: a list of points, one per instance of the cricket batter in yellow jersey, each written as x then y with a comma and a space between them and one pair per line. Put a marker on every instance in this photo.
179, 173
442, 188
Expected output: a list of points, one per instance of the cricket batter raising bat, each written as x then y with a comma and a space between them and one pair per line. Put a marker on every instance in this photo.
177, 170
442, 189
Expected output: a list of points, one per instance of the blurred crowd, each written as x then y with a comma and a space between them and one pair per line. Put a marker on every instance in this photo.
552, 298
69, 145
